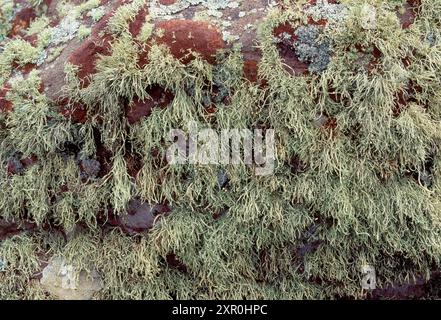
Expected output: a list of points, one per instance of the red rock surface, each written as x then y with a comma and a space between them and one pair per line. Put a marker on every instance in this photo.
136, 25
22, 20
76, 112
251, 68
139, 109
404, 97
175, 263
9, 229
86, 56
411, 9
184, 37
167, 2
5, 105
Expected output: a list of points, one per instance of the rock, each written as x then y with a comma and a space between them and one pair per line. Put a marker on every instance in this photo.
419, 288
5, 105
175, 263
167, 2
76, 112
86, 56
10, 228
408, 13
22, 20
15, 166
222, 179
137, 109
136, 25
251, 69
185, 37
369, 280
298, 166
140, 217
405, 96
285, 36
90, 168
65, 282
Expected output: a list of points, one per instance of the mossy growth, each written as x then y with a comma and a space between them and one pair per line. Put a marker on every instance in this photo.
16, 51
357, 179
6, 15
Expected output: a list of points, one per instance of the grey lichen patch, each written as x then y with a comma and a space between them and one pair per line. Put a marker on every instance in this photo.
213, 7
2, 265
228, 37
311, 49
433, 38
368, 17
52, 40
41, 57
65, 31
90, 168
331, 12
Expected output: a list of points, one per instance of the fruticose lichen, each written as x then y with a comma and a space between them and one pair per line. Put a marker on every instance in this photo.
357, 179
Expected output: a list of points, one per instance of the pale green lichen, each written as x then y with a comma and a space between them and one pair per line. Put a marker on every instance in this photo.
66, 8
83, 32
146, 30
18, 51
348, 200
96, 13
38, 25
6, 14
119, 22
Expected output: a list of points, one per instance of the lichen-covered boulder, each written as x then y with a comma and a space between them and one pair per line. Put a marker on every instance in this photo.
94, 94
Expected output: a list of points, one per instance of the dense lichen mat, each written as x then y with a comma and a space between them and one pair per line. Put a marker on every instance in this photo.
351, 88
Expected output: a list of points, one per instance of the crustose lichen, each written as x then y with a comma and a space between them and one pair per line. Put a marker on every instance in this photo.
311, 49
